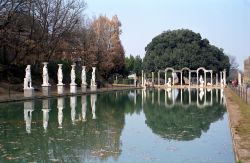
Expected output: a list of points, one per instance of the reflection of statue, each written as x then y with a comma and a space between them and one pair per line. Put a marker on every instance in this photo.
60, 75
84, 108
27, 80
93, 100
169, 90
28, 109
84, 83
73, 109
45, 114
201, 94
93, 77
73, 75
201, 81
45, 118
169, 82
60, 104
45, 75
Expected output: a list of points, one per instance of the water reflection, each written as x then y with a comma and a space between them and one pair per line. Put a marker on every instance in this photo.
184, 115
46, 109
73, 109
91, 126
28, 109
93, 100
84, 108
60, 104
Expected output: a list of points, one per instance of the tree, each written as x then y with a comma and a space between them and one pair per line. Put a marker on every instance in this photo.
183, 48
110, 52
133, 65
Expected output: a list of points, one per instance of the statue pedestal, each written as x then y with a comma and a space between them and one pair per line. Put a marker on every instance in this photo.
29, 92
60, 89
84, 88
46, 90
93, 87
73, 88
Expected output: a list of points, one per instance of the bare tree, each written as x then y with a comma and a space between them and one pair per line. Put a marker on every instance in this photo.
233, 62
56, 19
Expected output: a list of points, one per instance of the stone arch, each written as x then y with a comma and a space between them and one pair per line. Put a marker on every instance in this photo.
197, 72
189, 74
166, 70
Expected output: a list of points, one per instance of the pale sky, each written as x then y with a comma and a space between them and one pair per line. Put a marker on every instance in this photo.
225, 23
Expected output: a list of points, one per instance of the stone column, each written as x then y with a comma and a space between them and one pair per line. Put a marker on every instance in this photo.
211, 78
165, 78
224, 75
181, 78
173, 77
189, 78
197, 78
142, 78
220, 77
153, 78
216, 79
205, 76
239, 79
158, 78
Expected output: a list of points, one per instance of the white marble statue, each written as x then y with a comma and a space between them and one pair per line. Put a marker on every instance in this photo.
60, 75
93, 77
27, 80
45, 75
73, 75
84, 83
201, 81
169, 82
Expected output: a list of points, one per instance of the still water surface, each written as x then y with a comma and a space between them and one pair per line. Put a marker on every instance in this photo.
128, 126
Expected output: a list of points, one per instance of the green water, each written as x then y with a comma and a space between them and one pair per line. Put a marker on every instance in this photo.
129, 126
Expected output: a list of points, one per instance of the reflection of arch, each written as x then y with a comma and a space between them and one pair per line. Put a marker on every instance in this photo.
174, 124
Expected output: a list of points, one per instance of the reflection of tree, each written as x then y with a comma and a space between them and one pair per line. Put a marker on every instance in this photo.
180, 123
97, 139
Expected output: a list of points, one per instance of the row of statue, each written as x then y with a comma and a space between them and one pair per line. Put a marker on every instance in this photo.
28, 80
29, 108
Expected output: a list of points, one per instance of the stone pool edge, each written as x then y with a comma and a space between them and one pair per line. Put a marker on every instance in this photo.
98, 91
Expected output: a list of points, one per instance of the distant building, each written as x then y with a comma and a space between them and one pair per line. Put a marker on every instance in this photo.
247, 70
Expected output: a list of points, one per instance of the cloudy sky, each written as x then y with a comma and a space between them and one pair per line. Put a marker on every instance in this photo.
225, 23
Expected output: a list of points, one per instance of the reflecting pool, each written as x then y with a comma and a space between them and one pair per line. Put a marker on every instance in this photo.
172, 125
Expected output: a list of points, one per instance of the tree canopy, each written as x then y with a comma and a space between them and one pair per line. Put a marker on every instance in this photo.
183, 48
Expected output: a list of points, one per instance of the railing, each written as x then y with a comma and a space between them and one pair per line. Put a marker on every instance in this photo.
242, 92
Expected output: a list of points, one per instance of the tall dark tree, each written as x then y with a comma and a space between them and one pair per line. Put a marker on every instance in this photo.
183, 48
